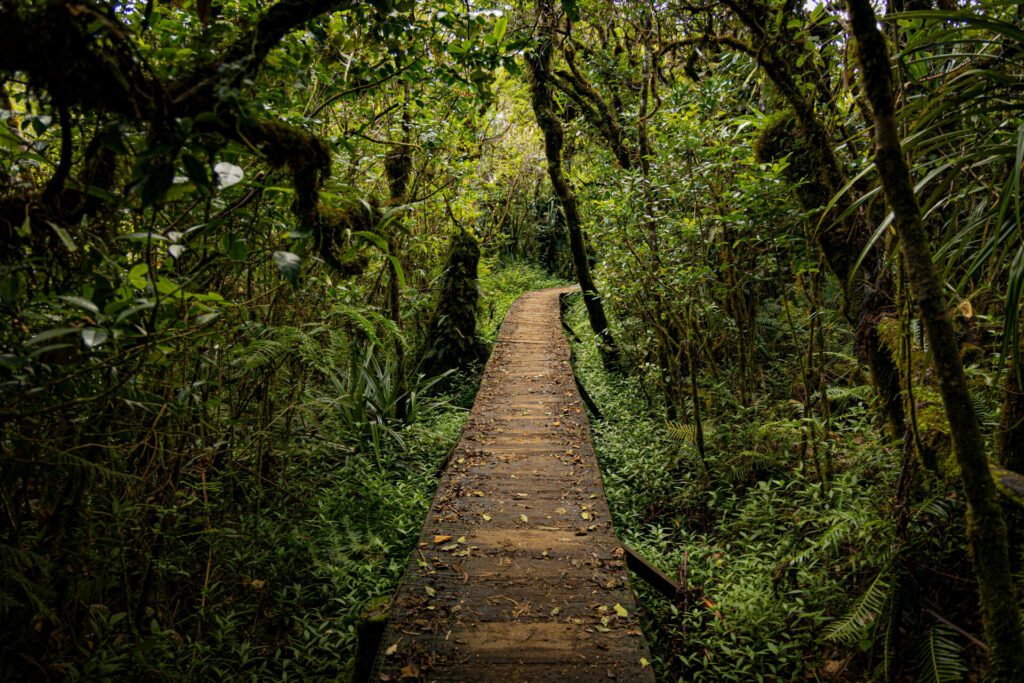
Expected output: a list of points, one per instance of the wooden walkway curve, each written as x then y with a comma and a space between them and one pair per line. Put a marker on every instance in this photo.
518, 574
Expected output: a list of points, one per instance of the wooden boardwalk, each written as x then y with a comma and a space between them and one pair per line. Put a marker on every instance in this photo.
518, 574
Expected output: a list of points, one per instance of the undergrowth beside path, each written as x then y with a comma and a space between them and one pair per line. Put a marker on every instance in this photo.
788, 578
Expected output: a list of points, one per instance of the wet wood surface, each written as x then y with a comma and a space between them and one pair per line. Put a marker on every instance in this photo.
518, 574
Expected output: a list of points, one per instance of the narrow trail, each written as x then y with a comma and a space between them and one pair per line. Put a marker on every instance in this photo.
518, 574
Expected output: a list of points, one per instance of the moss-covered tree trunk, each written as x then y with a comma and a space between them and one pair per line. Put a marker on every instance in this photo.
538, 61
1011, 423
398, 168
986, 530
452, 340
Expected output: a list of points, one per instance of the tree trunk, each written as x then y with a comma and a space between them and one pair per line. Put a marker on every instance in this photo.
986, 530
538, 61
1011, 424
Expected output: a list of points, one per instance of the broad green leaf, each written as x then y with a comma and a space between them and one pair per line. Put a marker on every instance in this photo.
81, 302
46, 335
137, 275
64, 236
500, 26
93, 337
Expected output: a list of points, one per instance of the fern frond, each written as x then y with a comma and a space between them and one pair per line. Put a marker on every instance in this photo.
681, 432
940, 657
851, 628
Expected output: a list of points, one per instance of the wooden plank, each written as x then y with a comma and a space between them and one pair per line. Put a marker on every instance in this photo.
518, 574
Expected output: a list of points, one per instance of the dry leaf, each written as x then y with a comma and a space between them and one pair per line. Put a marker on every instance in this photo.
486, 517
524, 518
430, 591
441, 539
621, 611
391, 650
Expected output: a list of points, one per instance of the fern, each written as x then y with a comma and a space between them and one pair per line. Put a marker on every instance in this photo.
681, 432
873, 603
843, 397
940, 657
687, 434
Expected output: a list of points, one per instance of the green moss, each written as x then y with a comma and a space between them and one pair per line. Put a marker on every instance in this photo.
780, 138
452, 336
332, 234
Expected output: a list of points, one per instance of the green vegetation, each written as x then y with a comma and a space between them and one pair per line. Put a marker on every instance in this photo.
253, 253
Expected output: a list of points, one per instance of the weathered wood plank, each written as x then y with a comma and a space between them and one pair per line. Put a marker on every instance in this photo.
518, 574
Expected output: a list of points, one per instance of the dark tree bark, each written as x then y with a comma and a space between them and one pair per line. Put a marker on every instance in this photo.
538, 62
1011, 424
452, 336
986, 530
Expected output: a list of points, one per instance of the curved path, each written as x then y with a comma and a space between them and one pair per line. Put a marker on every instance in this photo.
518, 575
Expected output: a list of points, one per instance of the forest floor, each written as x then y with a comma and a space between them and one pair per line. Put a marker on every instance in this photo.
518, 573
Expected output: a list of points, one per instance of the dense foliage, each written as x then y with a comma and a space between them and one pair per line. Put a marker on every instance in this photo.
244, 247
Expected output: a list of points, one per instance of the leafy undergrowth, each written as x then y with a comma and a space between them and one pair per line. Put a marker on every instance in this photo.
501, 283
786, 578
282, 569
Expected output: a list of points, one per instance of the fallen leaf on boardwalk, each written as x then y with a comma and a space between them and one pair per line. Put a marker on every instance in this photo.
560, 511
585, 515
621, 611
441, 539
478, 494
634, 632
524, 518
430, 591
555, 611
461, 539
391, 650
410, 671
486, 517
644, 663
450, 547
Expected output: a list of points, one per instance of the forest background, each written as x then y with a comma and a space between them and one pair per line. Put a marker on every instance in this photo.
252, 255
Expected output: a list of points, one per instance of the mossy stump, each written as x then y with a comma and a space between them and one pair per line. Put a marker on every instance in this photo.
373, 621
452, 340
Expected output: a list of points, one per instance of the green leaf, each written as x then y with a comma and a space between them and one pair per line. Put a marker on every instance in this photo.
373, 238
50, 334
94, 336
499, 27
25, 230
81, 302
137, 275
399, 273
64, 236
